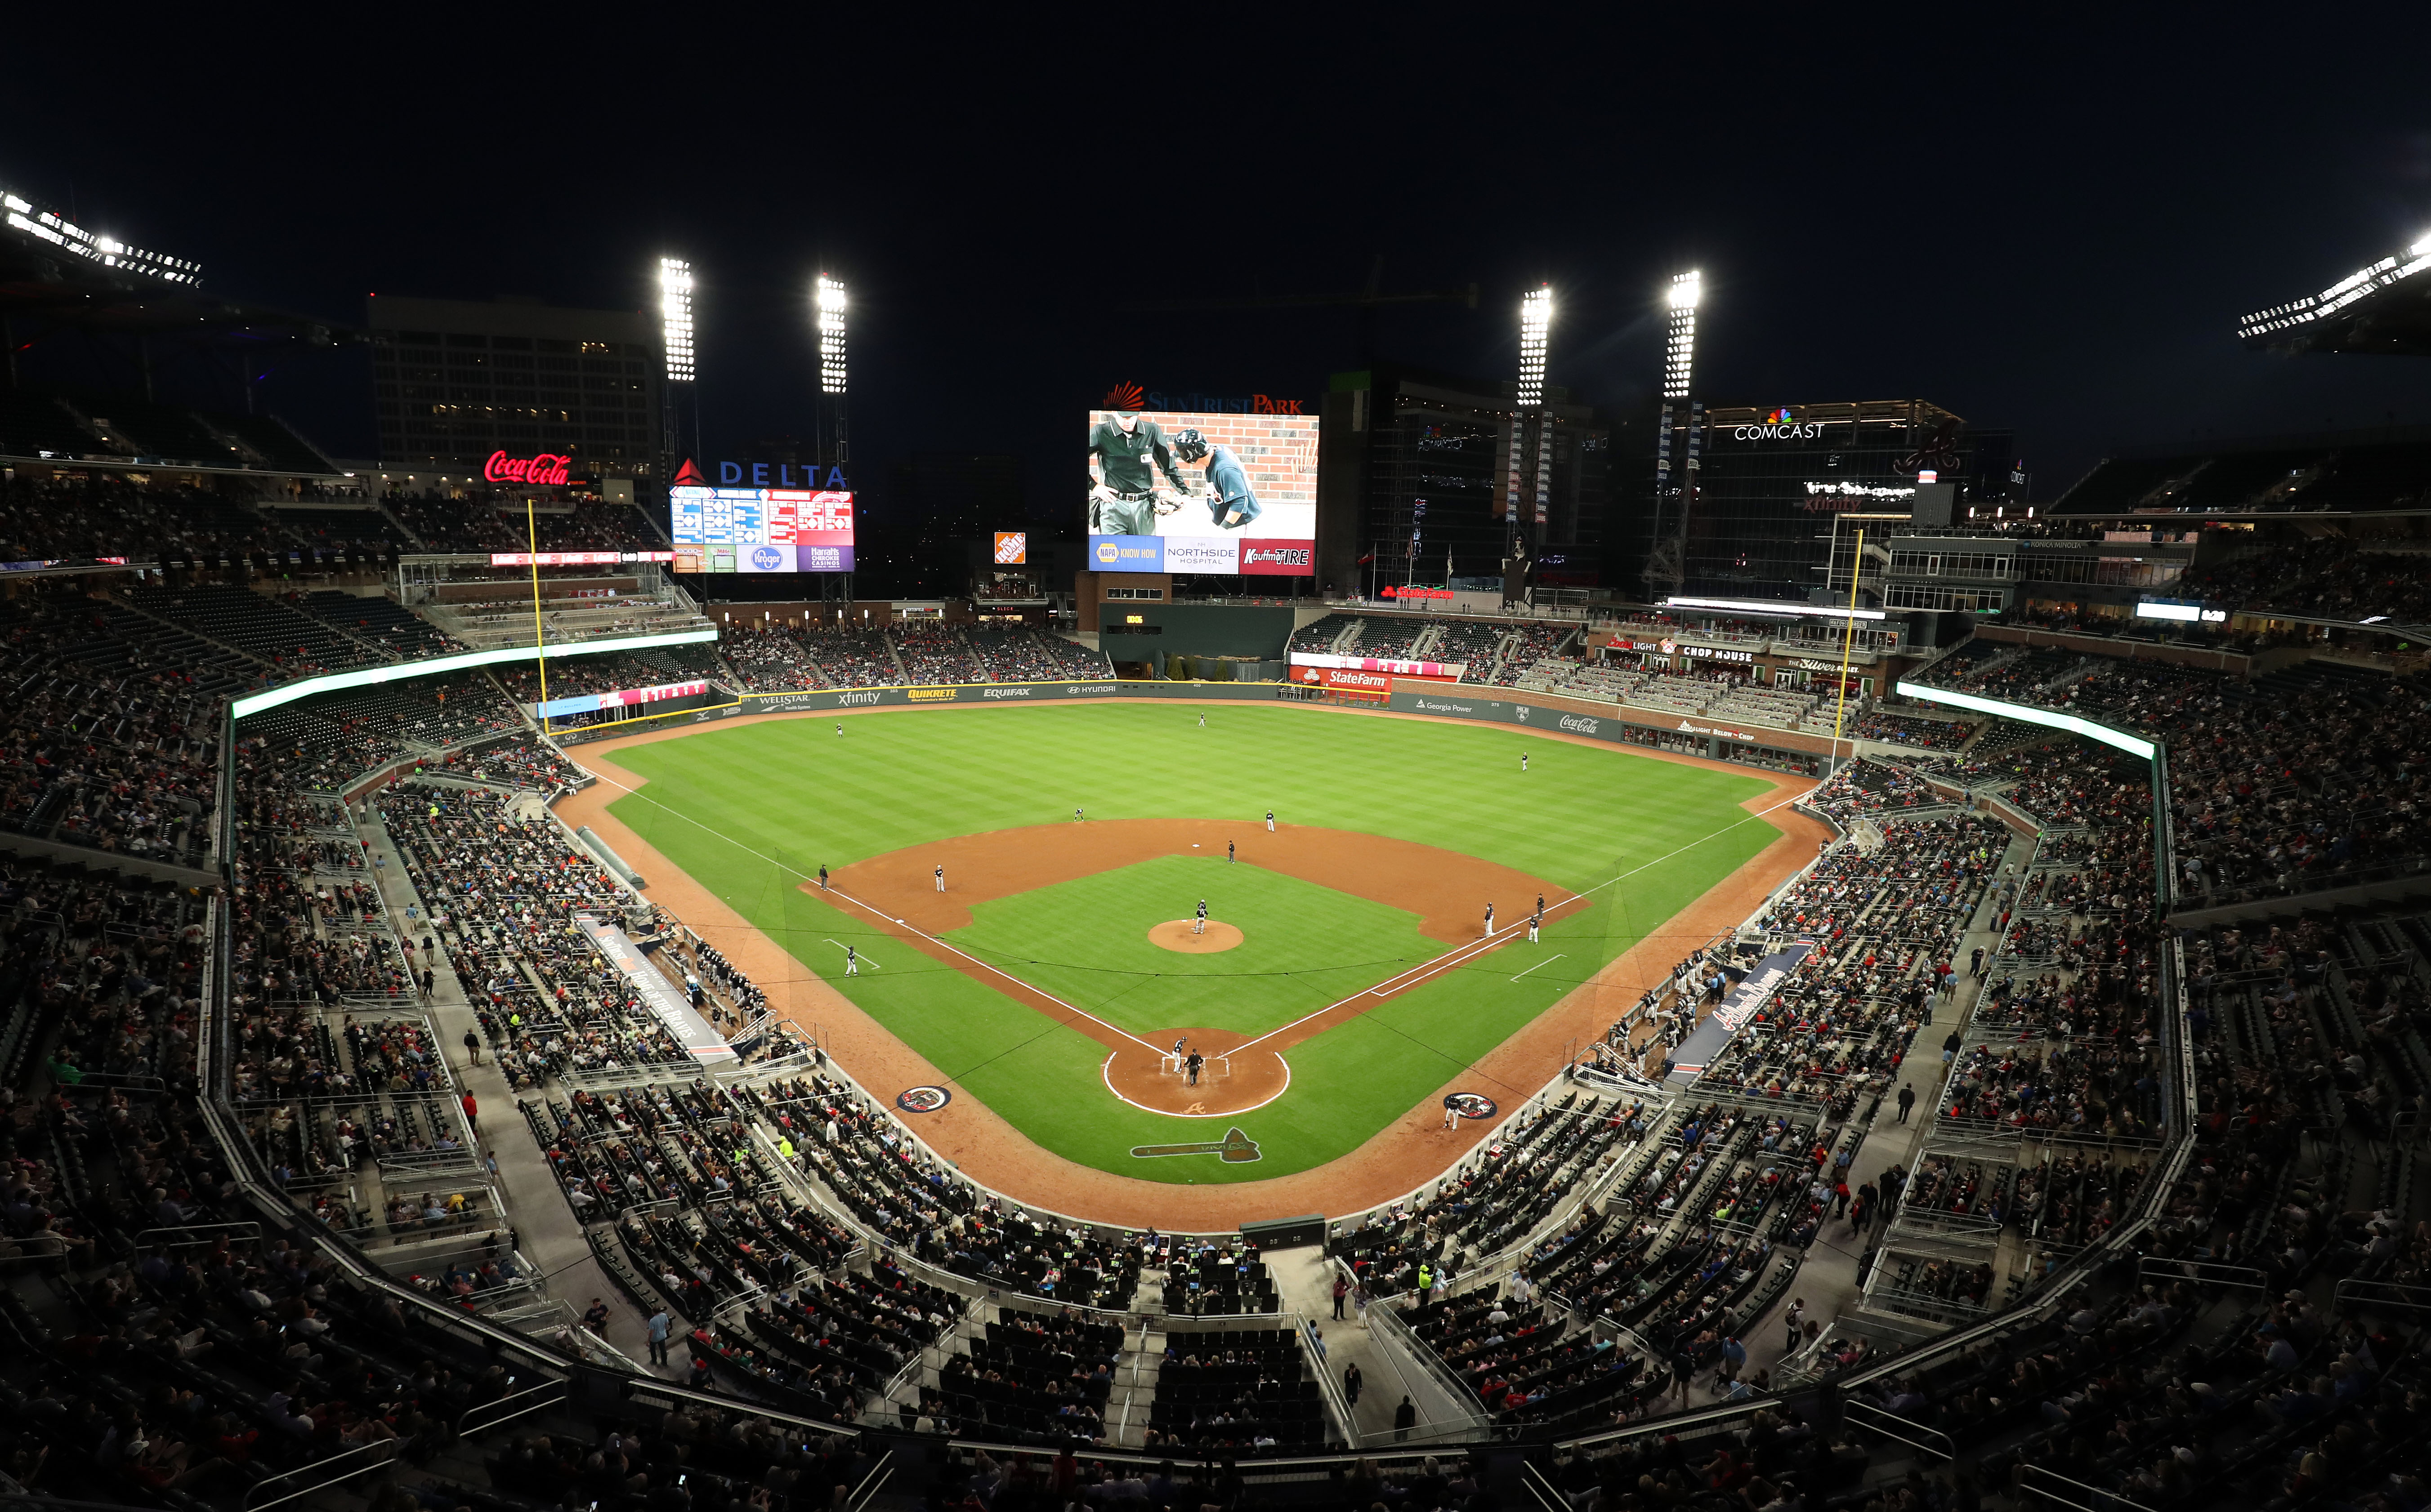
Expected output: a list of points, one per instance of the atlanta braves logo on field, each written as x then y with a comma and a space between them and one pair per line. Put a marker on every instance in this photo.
922, 1098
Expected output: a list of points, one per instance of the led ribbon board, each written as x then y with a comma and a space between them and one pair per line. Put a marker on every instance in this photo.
2049, 718
404, 671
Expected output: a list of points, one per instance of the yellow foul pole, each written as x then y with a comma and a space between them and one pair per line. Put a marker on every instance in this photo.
1848, 644
540, 636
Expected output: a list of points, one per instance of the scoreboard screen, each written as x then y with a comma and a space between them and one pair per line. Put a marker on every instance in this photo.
760, 530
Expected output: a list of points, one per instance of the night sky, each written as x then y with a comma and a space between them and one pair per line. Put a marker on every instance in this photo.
2051, 230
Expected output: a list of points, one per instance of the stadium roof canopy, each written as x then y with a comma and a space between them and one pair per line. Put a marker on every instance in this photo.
51, 269
2384, 309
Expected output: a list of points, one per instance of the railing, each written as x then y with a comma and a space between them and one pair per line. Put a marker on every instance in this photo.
2202, 1273
507, 1409
2031, 1477
1891, 1425
187, 1233
2386, 1294
859, 1499
325, 1472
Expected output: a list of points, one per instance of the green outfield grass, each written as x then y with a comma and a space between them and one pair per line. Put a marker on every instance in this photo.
748, 807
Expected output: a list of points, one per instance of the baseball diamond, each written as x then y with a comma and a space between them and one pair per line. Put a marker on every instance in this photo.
1058, 986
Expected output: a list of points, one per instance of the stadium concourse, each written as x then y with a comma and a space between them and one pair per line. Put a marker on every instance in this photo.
359, 1124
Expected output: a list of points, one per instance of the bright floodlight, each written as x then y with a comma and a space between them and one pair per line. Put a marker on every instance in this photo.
49, 226
2355, 286
1535, 317
674, 316
1680, 342
831, 335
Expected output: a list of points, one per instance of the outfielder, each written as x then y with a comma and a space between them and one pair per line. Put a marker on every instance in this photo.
1126, 451
941, 879
1198, 925
1229, 503
1228, 853
1523, 760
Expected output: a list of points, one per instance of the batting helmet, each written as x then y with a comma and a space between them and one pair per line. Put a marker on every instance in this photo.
1189, 445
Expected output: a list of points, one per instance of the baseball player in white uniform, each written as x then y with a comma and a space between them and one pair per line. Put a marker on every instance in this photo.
1198, 925
851, 961
1270, 821
1489, 916
941, 879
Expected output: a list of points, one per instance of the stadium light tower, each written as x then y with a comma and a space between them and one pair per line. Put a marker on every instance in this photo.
674, 316
1680, 339
831, 346
676, 338
1535, 320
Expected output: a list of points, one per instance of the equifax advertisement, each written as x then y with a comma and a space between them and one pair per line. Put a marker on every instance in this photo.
1182, 491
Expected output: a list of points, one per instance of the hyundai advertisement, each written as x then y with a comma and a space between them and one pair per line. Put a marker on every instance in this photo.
1182, 491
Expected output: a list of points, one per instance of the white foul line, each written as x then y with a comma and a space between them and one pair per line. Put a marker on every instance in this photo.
862, 959
1461, 955
1548, 961
835, 892
1456, 956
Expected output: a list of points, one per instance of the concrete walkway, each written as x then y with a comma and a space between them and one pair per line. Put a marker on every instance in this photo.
546, 1232
1828, 1278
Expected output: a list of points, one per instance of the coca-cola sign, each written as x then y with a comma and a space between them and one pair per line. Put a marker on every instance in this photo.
545, 468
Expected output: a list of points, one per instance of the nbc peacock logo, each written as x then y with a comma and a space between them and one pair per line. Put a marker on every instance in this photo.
1785, 415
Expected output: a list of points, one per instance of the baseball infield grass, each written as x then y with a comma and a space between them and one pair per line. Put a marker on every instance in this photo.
749, 808
1303, 946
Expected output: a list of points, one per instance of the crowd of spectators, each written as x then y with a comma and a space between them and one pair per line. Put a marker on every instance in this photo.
107, 514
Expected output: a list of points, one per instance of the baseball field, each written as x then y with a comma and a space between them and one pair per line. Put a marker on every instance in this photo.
1345, 975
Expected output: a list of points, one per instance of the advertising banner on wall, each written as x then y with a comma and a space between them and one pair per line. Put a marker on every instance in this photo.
1187, 490
618, 698
1377, 664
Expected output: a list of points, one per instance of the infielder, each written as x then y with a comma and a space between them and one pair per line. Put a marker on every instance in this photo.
1270, 821
851, 961
1489, 912
1533, 921
1230, 857
1198, 926
823, 879
1229, 503
941, 879
1076, 816
1126, 451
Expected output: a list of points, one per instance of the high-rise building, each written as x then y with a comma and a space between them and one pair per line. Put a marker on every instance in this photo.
1753, 498
456, 381
1433, 478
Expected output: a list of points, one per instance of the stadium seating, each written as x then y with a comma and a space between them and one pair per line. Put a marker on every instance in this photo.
823, 1266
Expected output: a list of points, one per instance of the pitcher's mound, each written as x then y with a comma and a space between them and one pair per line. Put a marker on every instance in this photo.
1174, 934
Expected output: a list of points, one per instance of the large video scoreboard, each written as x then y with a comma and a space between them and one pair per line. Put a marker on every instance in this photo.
760, 530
